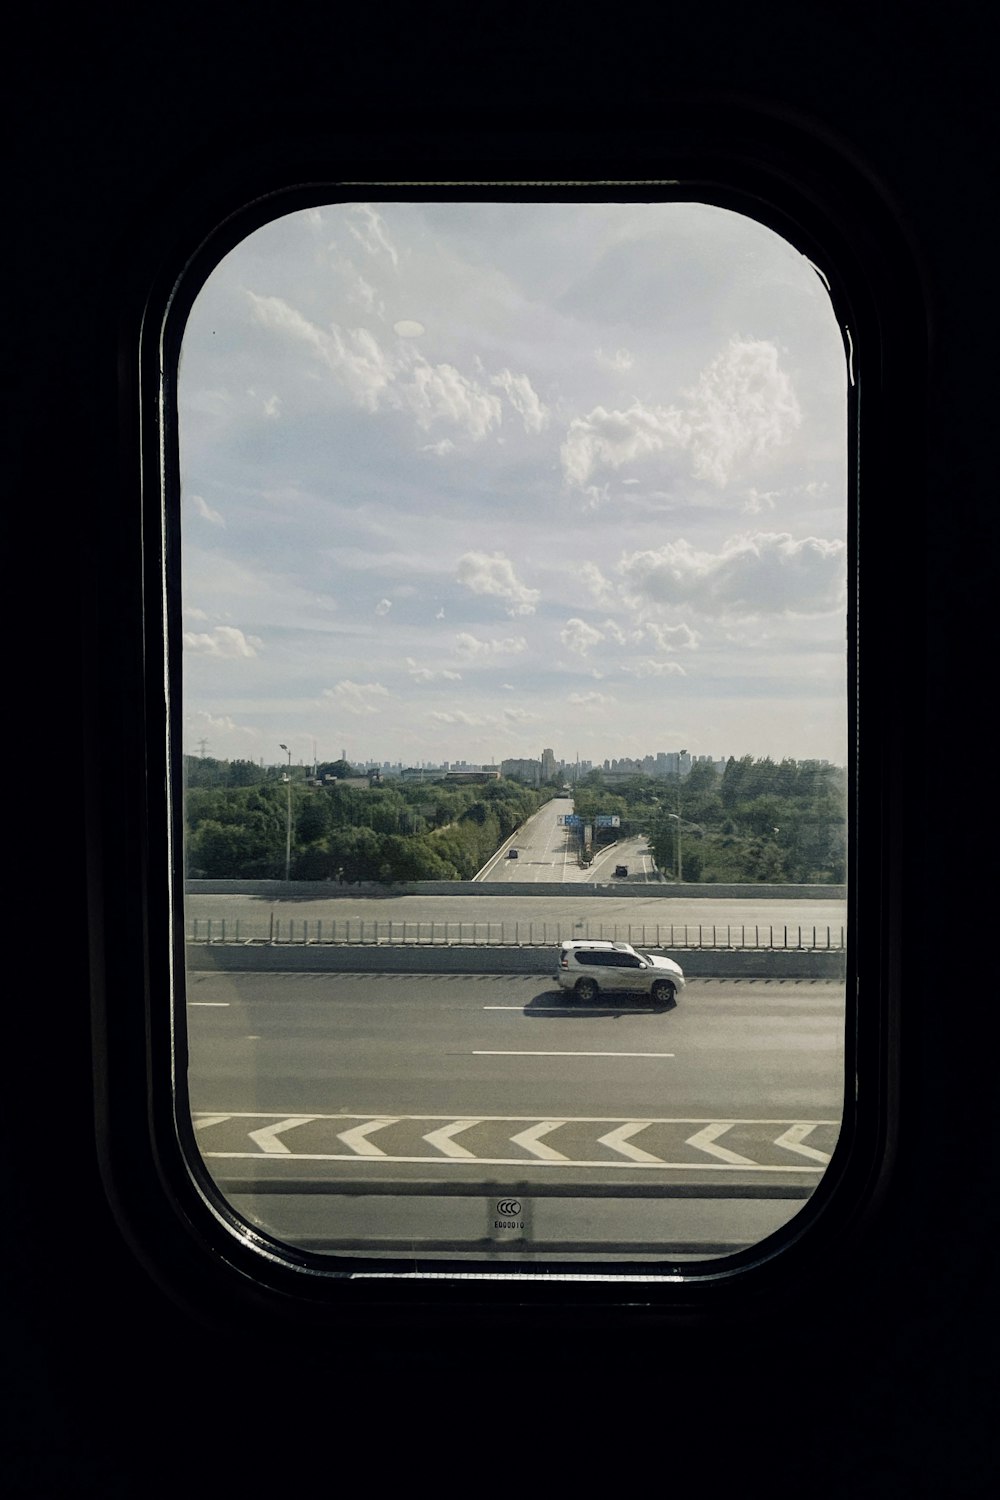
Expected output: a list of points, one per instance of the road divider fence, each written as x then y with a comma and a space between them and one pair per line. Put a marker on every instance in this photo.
359, 932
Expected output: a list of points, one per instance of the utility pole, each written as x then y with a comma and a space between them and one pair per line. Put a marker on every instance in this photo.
288, 819
680, 872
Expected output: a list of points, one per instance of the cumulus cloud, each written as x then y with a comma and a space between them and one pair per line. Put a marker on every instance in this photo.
622, 637
441, 393
224, 640
608, 439
620, 362
593, 699
494, 575
599, 586
472, 647
767, 573
742, 406
356, 697
648, 667
673, 637
353, 355
578, 636
523, 398
430, 674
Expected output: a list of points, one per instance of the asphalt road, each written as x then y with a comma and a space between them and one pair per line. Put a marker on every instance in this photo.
390, 1113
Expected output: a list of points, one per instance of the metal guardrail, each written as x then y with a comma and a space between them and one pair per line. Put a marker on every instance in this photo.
358, 932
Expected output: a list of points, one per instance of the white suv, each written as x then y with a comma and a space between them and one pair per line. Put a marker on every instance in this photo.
587, 968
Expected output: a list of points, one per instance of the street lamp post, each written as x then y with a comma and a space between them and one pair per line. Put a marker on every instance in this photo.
288, 819
680, 873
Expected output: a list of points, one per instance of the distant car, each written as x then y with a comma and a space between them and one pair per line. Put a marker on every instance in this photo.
621, 871
587, 968
511, 853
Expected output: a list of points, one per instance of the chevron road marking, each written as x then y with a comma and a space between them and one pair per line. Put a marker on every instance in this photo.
442, 1139
267, 1139
792, 1141
203, 1121
357, 1139
531, 1140
704, 1141
618, 1140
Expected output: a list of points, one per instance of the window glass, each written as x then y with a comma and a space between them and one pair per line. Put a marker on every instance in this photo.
515, 524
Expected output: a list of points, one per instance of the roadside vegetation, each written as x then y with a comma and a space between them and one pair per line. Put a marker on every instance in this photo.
237, 823
761, 820
757, 821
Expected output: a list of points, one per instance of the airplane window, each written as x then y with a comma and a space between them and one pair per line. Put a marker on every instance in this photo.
514, 574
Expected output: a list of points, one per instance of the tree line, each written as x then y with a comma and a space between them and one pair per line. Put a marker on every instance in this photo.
759, 820
238, 817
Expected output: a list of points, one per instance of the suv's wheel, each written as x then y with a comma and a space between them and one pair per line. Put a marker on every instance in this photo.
586, 989
663, 992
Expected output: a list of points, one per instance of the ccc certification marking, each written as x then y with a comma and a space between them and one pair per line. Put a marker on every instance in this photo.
508, 1214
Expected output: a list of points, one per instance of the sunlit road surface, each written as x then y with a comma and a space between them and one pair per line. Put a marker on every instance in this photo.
546, 850
710, 1122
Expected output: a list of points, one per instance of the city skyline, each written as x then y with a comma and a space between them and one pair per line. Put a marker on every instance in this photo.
506, 470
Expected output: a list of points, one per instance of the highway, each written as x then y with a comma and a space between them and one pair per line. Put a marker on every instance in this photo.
425, 1101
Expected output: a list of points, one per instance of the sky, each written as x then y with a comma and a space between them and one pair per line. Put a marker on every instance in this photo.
462, 481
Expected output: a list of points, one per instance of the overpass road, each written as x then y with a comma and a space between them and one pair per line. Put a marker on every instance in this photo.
351, 1113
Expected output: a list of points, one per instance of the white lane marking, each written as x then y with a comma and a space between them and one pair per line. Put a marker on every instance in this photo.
531, 1141
216, 1004
792, 1141
267, 1139
518, 1161
704, 1139
442, 1138
482, 1052
618, 1140
203, 1122
358, 1140
266, 1114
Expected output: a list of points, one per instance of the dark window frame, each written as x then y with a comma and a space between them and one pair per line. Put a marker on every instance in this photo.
804, 188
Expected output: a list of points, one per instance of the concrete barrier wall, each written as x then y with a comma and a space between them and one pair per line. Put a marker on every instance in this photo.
330, 890
315, 958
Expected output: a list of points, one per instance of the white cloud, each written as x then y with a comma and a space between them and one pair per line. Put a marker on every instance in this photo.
383, 606
353, 355
598, 585
620, 362
224, 640
440, 393
594, 698
742, 406
472, 647
204, 510
370, 231
767, 573
458, 716
622, 637
578, 636
272, 406
356, 697
673, 637
609, 439
430, 674
647, 667
521, 395
495, 576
